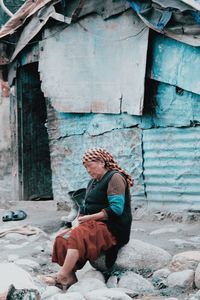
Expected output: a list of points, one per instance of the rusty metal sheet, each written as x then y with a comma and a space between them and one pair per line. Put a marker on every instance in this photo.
99, 65
28, 9
32, 28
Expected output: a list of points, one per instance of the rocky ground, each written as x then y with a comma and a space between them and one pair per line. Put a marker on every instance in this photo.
160, 262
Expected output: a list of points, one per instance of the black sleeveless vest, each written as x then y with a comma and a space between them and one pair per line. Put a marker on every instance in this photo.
96, 200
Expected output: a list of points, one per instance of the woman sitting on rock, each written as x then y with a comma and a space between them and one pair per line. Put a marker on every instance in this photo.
104, 223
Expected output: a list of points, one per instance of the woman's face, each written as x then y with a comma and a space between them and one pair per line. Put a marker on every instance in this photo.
96, 169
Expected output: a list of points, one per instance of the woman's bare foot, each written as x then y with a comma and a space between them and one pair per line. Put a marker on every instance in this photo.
49, 279
64, 282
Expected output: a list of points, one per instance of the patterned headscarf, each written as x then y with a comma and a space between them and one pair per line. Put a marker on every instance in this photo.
99, 154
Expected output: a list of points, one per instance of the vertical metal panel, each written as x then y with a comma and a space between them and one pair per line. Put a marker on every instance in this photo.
172, 165
99, 66
176, 63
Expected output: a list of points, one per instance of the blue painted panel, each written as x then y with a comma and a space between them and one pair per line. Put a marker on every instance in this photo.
175, 107
93, 124
172, 165
176, 63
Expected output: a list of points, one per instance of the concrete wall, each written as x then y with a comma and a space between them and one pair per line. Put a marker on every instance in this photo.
72, 134
5, 145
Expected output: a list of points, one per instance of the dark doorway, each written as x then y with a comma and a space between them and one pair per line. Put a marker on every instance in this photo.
33, 145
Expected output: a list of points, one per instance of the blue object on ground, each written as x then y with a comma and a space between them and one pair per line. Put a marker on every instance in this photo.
8, 216
19, 215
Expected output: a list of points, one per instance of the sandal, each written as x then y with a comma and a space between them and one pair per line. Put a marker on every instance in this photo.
19, 215
8, 216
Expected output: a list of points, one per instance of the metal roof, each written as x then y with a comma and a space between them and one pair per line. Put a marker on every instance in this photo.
172, 18
29, 8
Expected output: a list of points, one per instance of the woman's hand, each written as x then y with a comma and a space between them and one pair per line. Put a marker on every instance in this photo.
85, 218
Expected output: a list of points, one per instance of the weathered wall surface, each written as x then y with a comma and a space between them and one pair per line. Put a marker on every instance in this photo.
5, 154
96, 65
72, 134
160, 150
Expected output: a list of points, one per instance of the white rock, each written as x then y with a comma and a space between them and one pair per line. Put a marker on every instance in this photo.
165, 230
185, 260
13, 274
112, 282
159, 277
15, 246
39, 248
107, 294
94, 274
27, 262
180, 243
195, 296
86, 285
183, 279
50, 292
12, 257
68, 296
137, 255
135, 282
16, 237
162, 273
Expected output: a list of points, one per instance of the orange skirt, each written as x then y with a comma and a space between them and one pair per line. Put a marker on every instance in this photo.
89, 238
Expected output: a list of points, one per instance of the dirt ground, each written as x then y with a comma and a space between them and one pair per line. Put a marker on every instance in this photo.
174, 232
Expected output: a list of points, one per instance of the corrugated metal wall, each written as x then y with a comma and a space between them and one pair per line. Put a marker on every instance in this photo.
172, 166
171, 144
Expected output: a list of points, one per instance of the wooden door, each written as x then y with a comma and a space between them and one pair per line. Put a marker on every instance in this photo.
34, 156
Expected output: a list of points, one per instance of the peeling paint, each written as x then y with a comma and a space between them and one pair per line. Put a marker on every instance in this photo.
66, 154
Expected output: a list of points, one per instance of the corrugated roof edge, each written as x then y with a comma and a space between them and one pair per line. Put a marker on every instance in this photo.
25, 11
